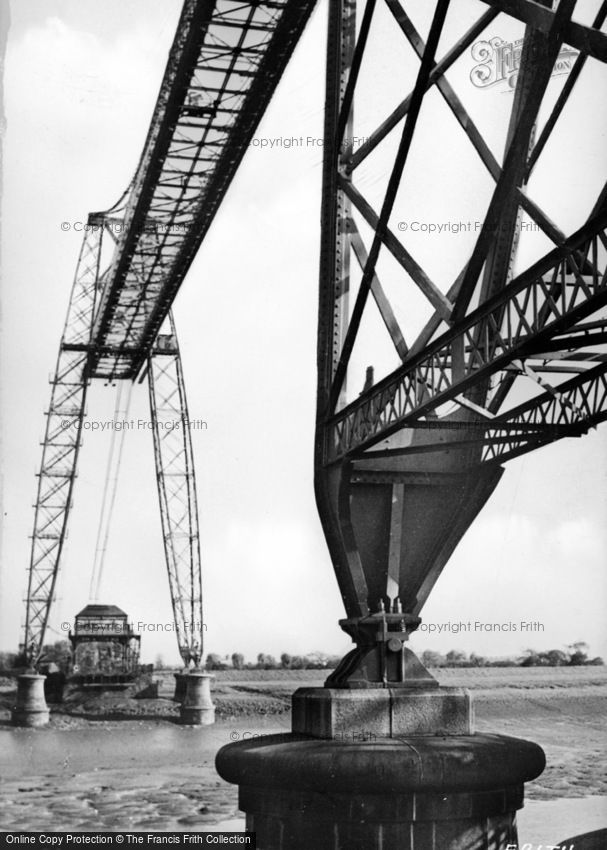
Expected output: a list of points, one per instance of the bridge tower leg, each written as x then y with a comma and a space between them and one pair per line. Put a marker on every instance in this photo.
382, 757
176, 481
57, 475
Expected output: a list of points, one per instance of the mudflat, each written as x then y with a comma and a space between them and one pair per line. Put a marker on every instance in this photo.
112, 763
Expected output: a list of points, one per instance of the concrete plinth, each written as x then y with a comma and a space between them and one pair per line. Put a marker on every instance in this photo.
31, 708
416, 793
381, 769
197, 708
364, 715
180, 686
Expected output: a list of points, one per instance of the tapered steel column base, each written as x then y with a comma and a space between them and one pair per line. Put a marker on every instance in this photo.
31, 708
197, 708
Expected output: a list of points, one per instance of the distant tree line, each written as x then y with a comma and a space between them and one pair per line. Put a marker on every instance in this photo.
575, 655
313, 661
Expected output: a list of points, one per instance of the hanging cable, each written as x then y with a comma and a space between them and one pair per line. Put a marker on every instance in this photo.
110, 488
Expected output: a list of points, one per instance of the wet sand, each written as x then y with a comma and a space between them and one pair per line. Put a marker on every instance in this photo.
110, 777
553, 822
140, 770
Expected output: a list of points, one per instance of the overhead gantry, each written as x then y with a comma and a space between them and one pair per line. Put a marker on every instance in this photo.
225, 62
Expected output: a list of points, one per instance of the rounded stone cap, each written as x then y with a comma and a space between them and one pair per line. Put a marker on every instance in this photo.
462, 763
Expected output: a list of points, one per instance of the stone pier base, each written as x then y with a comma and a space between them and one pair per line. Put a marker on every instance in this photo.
418, 793
197, 708
31, 708
381, 769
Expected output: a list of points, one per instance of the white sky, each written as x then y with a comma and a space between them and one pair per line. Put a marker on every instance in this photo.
80, 82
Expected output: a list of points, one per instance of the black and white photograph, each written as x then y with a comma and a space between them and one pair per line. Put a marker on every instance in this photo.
303, 392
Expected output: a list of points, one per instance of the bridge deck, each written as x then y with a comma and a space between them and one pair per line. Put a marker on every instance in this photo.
223, 68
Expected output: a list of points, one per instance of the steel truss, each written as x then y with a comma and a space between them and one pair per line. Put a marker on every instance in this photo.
61, 446
403, 468
177, 491
58, 469
544, 303
225, 62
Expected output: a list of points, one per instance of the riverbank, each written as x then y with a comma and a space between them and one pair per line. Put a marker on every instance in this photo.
111, 765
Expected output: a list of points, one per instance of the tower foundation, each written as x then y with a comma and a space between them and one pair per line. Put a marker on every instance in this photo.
197, 708
31, 708
381, 770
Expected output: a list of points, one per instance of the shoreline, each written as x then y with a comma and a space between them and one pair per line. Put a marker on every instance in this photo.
140, 769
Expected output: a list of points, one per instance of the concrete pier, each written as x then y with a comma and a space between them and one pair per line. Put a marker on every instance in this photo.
197, 708
380, 770
31, 708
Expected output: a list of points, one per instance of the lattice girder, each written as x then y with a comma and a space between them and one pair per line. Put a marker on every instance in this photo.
176, 482
61, 447
224, 65
451, 410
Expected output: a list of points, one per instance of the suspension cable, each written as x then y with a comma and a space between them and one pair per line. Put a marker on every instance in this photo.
109, 492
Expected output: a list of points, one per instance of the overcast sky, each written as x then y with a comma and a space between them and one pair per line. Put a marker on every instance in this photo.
80, 84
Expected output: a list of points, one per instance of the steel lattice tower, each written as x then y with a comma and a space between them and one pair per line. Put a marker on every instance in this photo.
224, 64
403, 467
